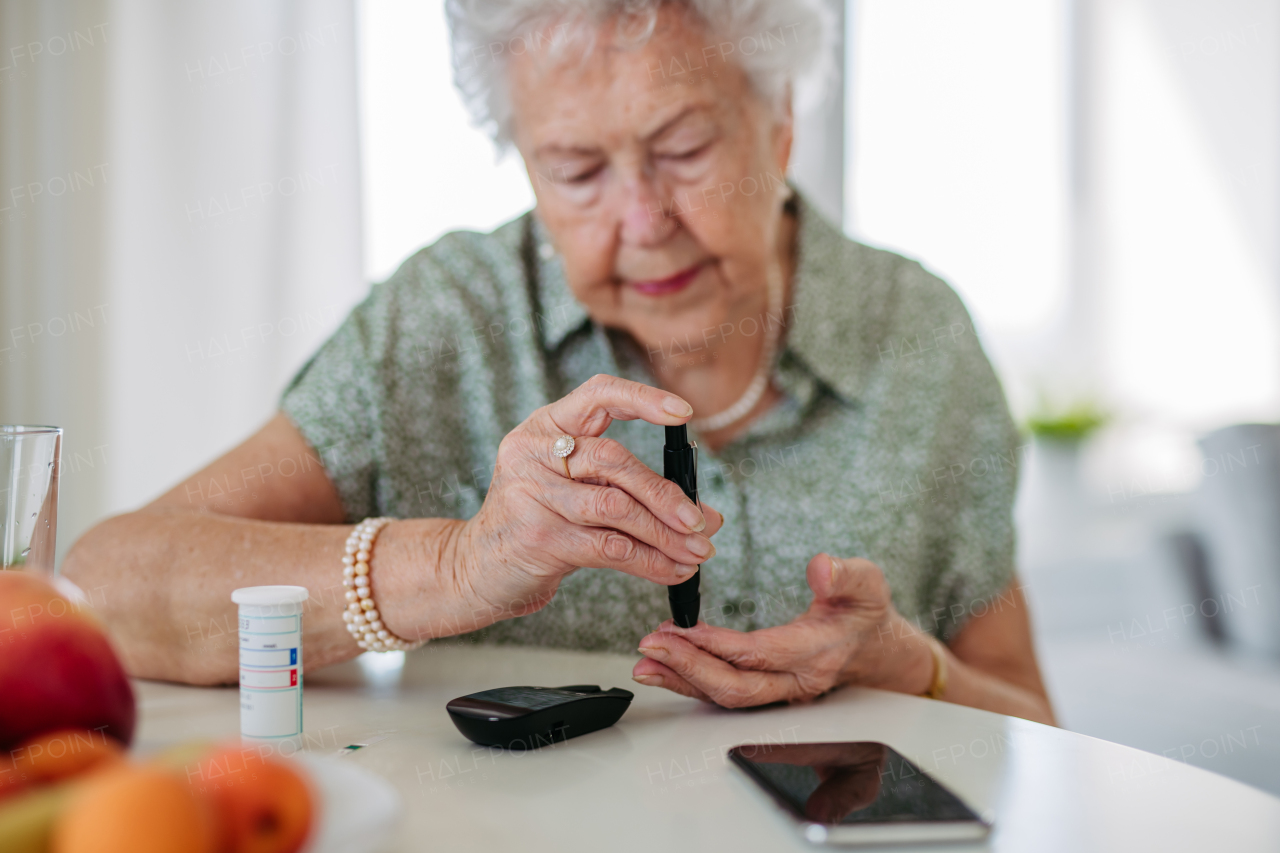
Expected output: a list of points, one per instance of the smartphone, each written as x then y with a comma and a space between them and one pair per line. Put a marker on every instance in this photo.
858, 793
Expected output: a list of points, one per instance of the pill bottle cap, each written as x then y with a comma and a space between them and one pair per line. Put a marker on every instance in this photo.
270, 600
266, 596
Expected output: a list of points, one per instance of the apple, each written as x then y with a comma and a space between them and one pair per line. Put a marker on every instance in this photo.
57, 667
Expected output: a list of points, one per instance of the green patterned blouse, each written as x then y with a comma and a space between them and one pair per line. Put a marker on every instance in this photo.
893, 440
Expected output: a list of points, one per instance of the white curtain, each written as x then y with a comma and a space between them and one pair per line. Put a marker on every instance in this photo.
183, 231
55, 172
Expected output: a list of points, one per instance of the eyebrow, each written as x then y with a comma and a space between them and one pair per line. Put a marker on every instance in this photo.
679, 117
557, 148
585, 151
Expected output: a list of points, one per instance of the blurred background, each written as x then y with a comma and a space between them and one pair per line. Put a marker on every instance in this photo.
192, 196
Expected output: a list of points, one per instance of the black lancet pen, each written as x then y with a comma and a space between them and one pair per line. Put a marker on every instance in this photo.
680, 466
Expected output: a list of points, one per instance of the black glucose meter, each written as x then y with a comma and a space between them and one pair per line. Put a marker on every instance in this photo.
532, 717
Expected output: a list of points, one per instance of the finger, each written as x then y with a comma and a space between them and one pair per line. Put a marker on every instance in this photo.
653, 674
603, 461
845, 582
610, 507
596, 403
776, 649
603, 548
724, 683
715, 520
842, 584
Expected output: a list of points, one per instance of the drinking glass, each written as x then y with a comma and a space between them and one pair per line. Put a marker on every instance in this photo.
29, 461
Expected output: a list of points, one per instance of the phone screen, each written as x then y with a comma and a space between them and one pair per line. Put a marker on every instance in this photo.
854, 783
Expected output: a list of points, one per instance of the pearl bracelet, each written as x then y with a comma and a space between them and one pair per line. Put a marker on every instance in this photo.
362, 617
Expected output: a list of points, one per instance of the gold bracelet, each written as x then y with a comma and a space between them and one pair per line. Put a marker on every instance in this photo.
939, 683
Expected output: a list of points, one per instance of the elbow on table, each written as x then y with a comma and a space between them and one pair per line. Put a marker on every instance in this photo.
110, 574
88, 567
135, 609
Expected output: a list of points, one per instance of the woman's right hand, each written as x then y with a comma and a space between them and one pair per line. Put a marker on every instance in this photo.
537, 526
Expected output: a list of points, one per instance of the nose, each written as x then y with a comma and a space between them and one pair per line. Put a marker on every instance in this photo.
647, 219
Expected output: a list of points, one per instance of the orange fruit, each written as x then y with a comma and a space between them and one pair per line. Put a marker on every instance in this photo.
134, 809
53, 756
263, 804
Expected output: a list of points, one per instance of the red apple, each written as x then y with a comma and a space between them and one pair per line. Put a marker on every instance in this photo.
57, 668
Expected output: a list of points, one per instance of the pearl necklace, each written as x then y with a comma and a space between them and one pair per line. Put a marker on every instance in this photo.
760, 381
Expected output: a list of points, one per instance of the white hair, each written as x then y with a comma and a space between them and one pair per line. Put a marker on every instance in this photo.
786, 47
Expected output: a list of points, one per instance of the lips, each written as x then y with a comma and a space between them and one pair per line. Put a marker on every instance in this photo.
664, 286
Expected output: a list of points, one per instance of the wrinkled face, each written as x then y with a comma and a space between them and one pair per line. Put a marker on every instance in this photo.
661, 187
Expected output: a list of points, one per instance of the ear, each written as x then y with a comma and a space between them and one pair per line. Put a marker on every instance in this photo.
783, 132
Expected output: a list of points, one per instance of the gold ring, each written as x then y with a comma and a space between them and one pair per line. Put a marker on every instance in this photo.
563, 447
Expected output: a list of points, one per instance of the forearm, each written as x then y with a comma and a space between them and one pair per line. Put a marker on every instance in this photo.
908, 667
969, 685
163, 580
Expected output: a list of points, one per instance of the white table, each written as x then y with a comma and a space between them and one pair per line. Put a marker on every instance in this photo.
658, 781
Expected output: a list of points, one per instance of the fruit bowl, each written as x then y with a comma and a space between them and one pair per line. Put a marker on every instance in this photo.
359, 810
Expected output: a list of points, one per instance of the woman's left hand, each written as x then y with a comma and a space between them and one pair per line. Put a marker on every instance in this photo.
851, 634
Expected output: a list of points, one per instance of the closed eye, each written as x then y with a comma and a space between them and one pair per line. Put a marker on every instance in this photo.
573, 170
687, 155
583, 176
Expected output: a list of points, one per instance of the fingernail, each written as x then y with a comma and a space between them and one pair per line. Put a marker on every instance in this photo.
648, 680
654, 652
692, 517
699, 545
835, 567
676, 406
684, 571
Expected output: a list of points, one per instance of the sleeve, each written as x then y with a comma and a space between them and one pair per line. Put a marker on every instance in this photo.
405, 404
974, 457
336, 402
979, 563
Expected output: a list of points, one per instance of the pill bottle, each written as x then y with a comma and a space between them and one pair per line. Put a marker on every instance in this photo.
270, 661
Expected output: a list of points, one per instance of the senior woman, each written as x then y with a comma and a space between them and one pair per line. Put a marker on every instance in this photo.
857, 458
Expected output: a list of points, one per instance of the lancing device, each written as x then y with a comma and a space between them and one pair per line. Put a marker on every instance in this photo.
680, 466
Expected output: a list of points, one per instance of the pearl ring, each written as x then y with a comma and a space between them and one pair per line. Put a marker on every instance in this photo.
563, 447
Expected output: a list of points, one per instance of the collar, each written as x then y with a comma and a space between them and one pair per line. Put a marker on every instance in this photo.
831, 321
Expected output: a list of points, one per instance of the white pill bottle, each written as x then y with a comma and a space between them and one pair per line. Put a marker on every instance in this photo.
270, 661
